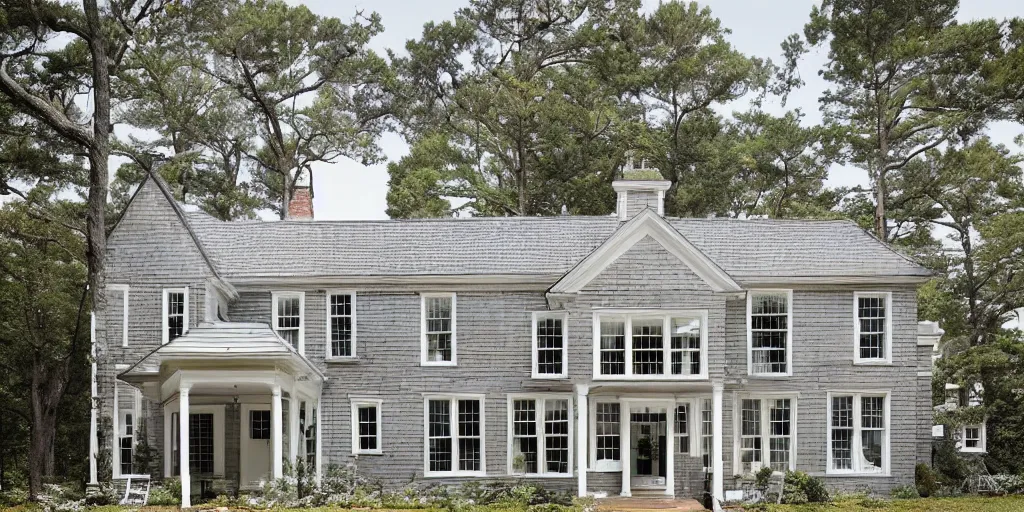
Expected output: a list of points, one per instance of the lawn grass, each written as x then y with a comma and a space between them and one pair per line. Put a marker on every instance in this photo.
964, 504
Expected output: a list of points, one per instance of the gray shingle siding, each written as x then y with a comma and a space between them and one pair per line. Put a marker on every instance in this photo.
151, 250
639, 200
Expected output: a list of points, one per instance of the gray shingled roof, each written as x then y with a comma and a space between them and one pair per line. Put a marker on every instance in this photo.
749, 250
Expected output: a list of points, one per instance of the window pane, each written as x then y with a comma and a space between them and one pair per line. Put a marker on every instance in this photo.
439, 435
706, 433
648, 347
439, 328
259, 424
842, 432
175, 314
686, 346
682, 428
556, 436
779, 434
200, 443
613, 348
750, 435
469, 435
549, 346
607, 431
524, 436
341, 325
368, 427
871, 315
871, 446
769, 331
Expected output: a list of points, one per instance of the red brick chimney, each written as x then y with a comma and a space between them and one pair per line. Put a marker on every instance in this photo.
301, 205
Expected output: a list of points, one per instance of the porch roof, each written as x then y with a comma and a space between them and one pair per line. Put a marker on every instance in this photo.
223, 342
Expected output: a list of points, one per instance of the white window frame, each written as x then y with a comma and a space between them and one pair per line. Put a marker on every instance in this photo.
789, 332
357, 403
121, 427
766, 436
453, 418
274, 297
124, 288
540, 398
163, 313
423, 330
605, 466
982, 439
855, 442
692, 427
545, 315
328, 349
627, 316
887, 358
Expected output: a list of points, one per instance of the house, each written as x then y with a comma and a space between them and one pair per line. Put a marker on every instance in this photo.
631, 354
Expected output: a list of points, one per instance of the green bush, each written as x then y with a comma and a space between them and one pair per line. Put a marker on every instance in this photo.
800, 486
870, 502
167, 493
925, 480
904, 492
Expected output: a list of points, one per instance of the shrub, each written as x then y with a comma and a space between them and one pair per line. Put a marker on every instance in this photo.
870, 502
904, 492
925, 480
799, 485
1010, 484
167, 493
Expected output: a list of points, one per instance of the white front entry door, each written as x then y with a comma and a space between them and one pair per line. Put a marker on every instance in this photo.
254, 449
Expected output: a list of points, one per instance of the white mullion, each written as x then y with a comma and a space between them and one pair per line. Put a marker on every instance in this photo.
628, 335
453, 420
766, 438
666, 346
541, 454
855, 443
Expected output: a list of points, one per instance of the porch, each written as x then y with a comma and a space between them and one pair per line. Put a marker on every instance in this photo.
272, 391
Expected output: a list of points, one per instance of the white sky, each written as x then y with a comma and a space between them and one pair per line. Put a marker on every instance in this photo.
348, 190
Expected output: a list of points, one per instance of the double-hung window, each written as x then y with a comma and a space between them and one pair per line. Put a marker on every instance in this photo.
972, 438
540, 435
650, 345
454, 436
606, 440
769, 332
550, 346
682, 428
175, 313
437, 344
288, 311
341, 324
366, 425
765, 435
858, 432
127, 442
706, 433
872, 328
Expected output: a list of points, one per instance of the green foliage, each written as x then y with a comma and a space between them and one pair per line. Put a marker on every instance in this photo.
165, 493
904, 492
799, 487
925, 480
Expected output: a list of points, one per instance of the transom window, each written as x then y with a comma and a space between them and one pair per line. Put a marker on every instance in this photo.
454, 432
607, 449
766, 434
341, 319
872, 327
769, 318
438, 341
540, 436
289, 309
634, 345
858, 433
259, 424
366, 425
175, 318
683, 428
550, 345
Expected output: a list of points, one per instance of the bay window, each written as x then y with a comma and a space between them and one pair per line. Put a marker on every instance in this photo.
650, 345
858, 432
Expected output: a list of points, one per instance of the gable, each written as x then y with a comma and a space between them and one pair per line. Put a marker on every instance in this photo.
646, 225
648, 266
151, 240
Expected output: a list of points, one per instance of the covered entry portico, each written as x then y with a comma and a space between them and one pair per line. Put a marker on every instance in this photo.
221, 364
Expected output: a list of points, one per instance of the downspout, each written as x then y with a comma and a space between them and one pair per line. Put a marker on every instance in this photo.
93, 440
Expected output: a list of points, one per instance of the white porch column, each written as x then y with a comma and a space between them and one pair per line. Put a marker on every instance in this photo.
319, 442
582, 423
717, 483
276, 425
625, 451
293, 429
670, 449
186, 478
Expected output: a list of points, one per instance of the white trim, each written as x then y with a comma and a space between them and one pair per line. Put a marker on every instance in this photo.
163, 313
328, 355
543, 315
855, 441
423, 330
982, 442
622, 204
603, 466
765, 421
453, 418
173, 406
245, 432
789, 332
646, 223
356, 404
539, 399
274, 296
887, 359
94, 446
666, 315
123, 288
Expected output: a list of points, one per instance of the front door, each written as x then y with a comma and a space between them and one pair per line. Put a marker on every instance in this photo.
255, 448
647, 449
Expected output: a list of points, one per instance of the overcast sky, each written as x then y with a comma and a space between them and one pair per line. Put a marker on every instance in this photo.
348, 190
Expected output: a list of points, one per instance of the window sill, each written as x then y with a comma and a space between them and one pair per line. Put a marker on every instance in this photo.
973, 450
544, 376
341, 360
451, 474
542, 475
770, 375
871, 362
374, 452
648, 378
438, 363
876, 474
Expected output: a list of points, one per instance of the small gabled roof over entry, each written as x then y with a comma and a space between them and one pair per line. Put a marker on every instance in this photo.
223, 342
646, 223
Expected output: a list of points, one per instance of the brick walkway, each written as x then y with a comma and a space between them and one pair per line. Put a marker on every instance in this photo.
647, 504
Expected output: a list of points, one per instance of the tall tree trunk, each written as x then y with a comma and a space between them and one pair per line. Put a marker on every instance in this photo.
46, 391
881, 190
